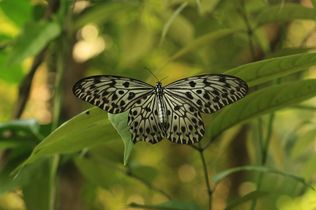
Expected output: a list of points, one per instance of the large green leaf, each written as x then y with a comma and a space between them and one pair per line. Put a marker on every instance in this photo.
261, 102
85, 130
285, 12
262, 71
33, 39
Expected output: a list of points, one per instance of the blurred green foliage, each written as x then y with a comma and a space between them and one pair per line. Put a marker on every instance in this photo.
258, 153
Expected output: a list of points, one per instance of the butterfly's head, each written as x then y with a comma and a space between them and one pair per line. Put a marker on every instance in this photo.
159, 89
159, 85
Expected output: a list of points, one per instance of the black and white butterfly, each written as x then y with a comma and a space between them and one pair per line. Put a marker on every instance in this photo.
156, 112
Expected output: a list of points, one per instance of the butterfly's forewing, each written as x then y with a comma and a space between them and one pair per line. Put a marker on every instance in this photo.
210, 92
184, 122
111, 93
143, 120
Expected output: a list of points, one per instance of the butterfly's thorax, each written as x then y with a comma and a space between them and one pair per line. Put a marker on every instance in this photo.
161, 106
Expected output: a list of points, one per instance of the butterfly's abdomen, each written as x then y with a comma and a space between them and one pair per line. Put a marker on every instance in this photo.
161, 108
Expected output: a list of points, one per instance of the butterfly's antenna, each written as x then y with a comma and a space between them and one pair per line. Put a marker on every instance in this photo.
152, 74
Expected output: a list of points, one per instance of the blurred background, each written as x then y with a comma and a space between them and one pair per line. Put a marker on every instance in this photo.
46, 46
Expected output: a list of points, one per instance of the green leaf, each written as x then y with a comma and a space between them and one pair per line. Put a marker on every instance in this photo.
248, 197
9, 144
169, 205
119, 122
146, 173
202, 41
136, 42
285, 12
33, 39
85, 130
220, 176
98, 173
36, 192
262, 71
19, 11
103, 12
261, 102
27, 126
314, 4
12, 73
171, 20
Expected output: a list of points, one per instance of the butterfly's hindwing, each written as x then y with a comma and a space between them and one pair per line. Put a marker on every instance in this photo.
111, 93
208, 93
184, 122
143, 120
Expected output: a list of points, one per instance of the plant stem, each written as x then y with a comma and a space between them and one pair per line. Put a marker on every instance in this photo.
264, 146
244, 15
56, 116
206, 177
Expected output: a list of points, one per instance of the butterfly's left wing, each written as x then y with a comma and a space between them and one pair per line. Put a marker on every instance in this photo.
210, 92
113, 94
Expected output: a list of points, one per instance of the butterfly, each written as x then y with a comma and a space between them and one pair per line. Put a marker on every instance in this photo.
157, 112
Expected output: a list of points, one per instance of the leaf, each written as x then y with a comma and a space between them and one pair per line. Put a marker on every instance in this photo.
19, 11
36, 192
12, 73
98, 173
169, 205
262, 71
202, 41
85, 130
146, 173
104, 12
261, 102
220, 176
136, 42
248, 197
285, 12
314, 4
33, 39
119, 122
171, 20
27, 126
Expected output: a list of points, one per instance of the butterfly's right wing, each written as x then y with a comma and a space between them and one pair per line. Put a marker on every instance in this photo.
111, 93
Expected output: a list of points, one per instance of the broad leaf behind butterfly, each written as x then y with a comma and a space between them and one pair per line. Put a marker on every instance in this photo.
157, 112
